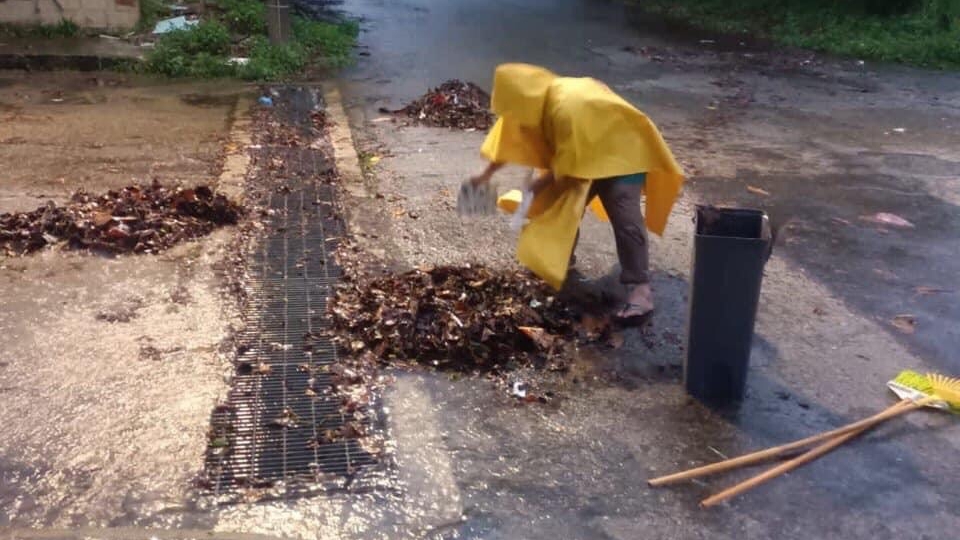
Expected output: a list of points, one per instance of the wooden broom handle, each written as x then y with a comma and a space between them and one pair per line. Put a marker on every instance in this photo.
806, 457
770, 453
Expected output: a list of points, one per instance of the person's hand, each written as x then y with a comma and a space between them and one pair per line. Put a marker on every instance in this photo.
479, 180
486, 175
540, 183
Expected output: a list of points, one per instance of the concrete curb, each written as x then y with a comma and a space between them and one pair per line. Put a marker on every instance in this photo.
341, 138
237, 159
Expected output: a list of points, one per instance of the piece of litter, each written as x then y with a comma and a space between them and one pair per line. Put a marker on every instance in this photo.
238, 61
519, 390
540, 337
758, 191
885, 218
615, 340
885, 274
905, 323
535, 303
899, 130
717, 452
925, 291
266, 101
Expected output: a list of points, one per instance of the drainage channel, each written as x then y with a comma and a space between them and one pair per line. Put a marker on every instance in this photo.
284, 427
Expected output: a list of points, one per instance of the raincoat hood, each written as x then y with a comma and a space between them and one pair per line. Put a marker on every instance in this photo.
520, 93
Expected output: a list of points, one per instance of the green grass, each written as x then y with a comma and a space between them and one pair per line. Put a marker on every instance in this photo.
203, 51
334, 42
917, 32
200, 51
246, 17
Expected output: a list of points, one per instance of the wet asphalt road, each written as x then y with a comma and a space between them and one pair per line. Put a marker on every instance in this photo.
888, 137
820, 136
830, 142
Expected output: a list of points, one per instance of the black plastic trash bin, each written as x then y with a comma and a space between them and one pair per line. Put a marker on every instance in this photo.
731, 247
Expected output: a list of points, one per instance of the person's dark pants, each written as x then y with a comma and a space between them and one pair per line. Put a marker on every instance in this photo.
621, 199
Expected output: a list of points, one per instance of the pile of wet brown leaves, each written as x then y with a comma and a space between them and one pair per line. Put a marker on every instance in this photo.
454, 104
457, 318
135, 219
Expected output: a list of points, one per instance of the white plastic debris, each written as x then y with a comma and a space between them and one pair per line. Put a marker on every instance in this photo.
520, 216
519, 389
886, 218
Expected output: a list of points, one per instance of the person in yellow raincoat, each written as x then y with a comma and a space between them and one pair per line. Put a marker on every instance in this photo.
592, 144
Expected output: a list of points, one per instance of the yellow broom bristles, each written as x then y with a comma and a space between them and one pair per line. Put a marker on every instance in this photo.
946, 388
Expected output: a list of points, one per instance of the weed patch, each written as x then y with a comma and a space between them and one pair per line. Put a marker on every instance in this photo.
918, 32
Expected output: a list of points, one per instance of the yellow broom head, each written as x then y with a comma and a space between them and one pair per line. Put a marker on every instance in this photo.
946, 388
914, 381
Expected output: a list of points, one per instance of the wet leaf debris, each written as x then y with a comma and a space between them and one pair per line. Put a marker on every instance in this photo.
135, 219
453, 104
458, 318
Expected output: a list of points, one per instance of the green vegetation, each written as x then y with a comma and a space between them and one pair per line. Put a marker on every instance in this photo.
268, 62
198, 52
64, 28
151, 11
240, 30
918, 32
246, 17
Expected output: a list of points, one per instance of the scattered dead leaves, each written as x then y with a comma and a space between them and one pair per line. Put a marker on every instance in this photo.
460, 318
885, 218
924, 290
905, 323
454, 104
135, 219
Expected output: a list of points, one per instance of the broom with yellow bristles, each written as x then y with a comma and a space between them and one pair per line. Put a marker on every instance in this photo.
915, 391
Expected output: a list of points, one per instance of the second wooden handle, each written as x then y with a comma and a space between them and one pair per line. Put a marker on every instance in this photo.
807, 457
770, 453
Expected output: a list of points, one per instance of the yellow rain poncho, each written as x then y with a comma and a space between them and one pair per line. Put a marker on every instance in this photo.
583, 132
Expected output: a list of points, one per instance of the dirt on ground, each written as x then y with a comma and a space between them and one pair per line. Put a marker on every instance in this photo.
65, 131
110, 366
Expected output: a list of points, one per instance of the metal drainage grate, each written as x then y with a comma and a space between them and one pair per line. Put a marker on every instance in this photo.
270, 429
